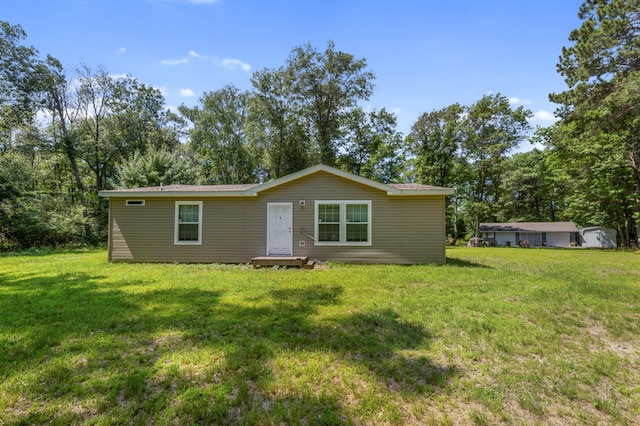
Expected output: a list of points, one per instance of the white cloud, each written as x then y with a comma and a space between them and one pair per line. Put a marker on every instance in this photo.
542, 115
122, 50
187, 93
194, 54
233, 64
119, 76
228, 63
175, 61
514, 101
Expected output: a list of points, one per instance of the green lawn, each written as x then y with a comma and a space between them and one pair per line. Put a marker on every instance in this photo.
498, 335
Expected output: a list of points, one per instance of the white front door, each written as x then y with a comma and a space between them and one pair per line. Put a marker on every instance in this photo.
279, 235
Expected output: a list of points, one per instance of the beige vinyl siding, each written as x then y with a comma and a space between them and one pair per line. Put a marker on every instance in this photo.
405, 229
231, 228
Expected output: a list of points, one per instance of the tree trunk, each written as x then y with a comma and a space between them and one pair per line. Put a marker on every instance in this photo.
67, 147
67, 144
636, 177
68, 150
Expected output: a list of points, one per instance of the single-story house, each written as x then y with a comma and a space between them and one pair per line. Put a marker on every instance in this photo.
598, 237
552, 234
320, 212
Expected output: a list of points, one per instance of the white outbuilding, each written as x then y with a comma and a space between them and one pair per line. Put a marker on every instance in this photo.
597, 237
552, 234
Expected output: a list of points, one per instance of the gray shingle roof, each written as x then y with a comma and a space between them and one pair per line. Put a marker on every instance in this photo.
418, 186
252, 190
192, 188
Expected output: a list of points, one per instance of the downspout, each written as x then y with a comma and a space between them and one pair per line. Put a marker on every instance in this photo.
109, 233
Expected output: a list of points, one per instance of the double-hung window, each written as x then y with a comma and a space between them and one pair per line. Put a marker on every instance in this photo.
343, 223
188, 223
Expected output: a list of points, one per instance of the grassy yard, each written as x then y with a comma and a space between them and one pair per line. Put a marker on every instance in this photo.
498, 335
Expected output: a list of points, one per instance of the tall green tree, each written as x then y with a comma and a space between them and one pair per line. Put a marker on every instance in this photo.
139, 119
491, 130
435, 144
601, 107
20, 82
275, 126
41, 211
325, 87
60, 102
87, 124
218, 138
533, 189
154, 168
466, 147
114, 117
371, 146
599, 184
95, 99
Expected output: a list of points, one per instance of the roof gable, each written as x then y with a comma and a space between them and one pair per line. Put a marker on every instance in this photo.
319, 168
390, 189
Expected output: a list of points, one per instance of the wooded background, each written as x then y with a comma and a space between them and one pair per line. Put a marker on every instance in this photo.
67, 132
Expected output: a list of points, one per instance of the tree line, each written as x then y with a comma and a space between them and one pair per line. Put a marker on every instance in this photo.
66, 134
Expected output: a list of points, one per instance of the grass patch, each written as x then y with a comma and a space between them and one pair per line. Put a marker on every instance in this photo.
495, 336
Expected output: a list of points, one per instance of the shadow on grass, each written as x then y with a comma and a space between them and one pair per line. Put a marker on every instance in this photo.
76, 337
41, 312
465, 263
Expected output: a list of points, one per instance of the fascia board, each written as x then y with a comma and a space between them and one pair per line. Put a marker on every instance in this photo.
174, 194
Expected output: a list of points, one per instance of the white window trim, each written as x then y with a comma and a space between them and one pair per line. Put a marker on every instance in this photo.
343, 223
176, 231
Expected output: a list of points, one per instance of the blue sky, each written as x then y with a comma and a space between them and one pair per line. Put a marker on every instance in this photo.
425, 54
